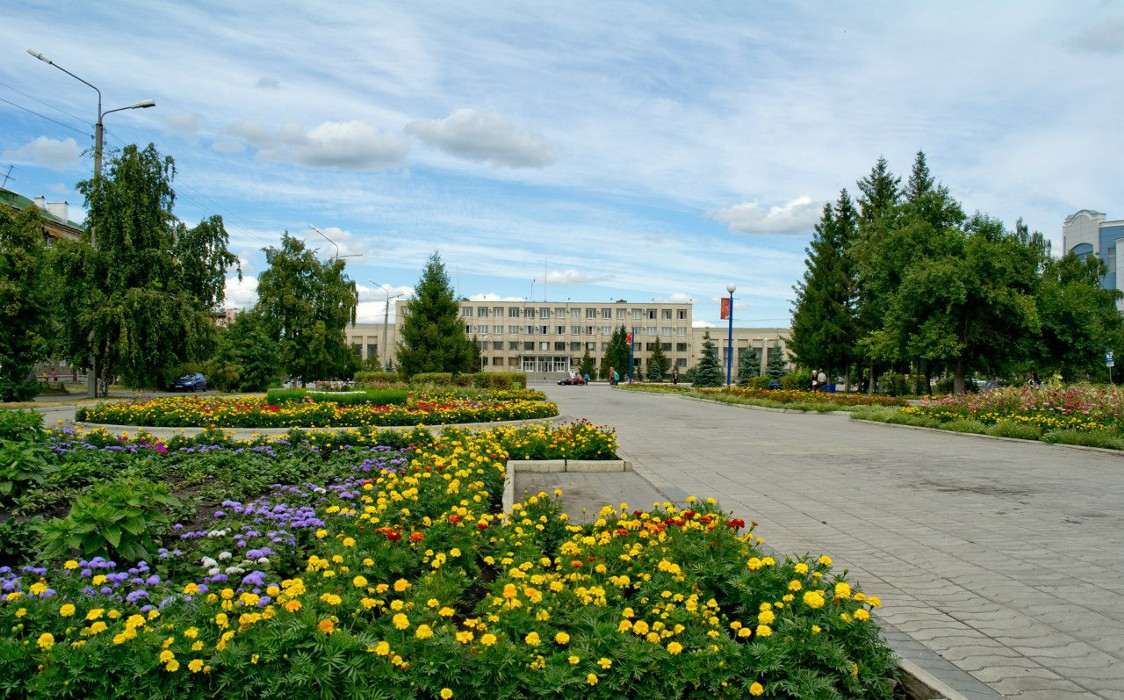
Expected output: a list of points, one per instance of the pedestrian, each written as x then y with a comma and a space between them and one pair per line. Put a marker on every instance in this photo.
585, 377
675, 376
613, 376
54, 376
821, 380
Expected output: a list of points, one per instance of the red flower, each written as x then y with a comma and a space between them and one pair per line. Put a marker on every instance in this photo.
415, 536
454, 519
735, 523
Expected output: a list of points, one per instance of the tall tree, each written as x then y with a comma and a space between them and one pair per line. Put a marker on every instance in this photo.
749, 366
777, 366
247, 358
587, 367
306, 305
878, 206
27, 301
433, 337
141, 288
616, 354
658, 364
1079, 318
708, 372
824, 325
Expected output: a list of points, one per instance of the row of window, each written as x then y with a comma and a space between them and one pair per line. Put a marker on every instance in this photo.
481, 329
560, 313
523, 345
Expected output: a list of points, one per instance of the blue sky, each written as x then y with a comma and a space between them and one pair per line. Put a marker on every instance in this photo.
586, 151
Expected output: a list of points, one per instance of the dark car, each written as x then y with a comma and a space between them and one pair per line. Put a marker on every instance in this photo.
192, 381
572, 381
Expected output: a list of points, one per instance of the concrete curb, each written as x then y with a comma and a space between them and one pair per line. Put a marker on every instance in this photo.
555, 466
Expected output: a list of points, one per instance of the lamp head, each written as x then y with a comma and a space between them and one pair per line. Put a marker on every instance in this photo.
143, 104
731, 287
40, 56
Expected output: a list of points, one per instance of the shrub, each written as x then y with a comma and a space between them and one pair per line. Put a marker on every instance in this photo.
432, 379
800, 380
379, 380
760, 382
19, 542
26, 426
22, 464
965, 425
1088, 438
1015, 429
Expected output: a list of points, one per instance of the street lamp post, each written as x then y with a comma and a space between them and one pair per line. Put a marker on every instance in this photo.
99, 132
385, 320
730, 337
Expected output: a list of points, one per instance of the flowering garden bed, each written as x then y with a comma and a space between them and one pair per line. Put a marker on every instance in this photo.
779, 398
387, 571
422, 408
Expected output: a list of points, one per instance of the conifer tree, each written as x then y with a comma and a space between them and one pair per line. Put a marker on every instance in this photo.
616, 354
587, 367
708, 372
824, 326
749, 366
433, 339
777, 366
658, 364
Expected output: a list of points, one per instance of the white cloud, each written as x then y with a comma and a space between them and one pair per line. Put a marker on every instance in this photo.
702, 324
490, 138
380, 294
241, 294
266, 83
347, 244
53, 153
796, 216
571, 277
185, 122
492, 296
351, 145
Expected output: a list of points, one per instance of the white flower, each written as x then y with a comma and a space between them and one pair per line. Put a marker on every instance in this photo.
263, 560
214, 571
232, 570
207, 561
223, 556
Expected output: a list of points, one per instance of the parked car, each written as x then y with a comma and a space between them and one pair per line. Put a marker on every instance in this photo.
191, 381
575, 380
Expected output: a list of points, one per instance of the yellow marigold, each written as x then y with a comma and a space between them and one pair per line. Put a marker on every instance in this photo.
70, 564
446, 694
605, 663
359, 582
166, 656
801, 568
488, 639
423, 632
172, 666
814, 599
756, 689
464, 637
842, 590
292, 605
562, 638
862, 615
532, 639
326, 626
766, 617
46, 641
401, 621
574, 660
95, 614
67, 610
591, 679
195, 665
825, 560
764, 631
674, 648
382, 649
874, 601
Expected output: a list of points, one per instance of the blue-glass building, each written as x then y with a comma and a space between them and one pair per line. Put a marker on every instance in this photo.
1088, 233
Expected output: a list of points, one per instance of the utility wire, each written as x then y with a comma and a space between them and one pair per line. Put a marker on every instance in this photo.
44, 116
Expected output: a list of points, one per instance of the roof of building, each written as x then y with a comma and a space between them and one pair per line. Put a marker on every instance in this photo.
54, 225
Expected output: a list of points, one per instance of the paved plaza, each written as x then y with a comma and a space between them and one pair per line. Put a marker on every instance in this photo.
1002, 560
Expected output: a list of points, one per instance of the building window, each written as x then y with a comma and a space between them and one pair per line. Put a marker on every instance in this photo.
575, 313
681, 330
372, 350
560, 313
665, 330
649, 346
544, 313
358, 348
591, 313
497, 311
636, 314
680, 347
622, 314
560, 347
665, 314
575, 347
1111, 261
544, 346
466, 311
682, 314
681, 362
468, 330
528, 345
497, 345
606, 330
513, 312
498, 330
651, 314
651, 330
666, 347
528, 313
560, 330
513, 344
590, 346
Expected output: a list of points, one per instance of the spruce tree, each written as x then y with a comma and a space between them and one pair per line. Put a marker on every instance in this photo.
708, 372
777, 366
824, 326
616, 354
658, 364
433, 339
749, 366
587, 367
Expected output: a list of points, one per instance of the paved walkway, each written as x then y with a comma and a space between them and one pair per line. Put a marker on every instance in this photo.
1004, 557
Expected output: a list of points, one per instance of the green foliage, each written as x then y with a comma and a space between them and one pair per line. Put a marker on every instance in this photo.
247, 357
777, 366
27, 301
140, 287
18, 542
616, 354
708, 372
965, 425
749, 366
378, 397
432, 379
1015, 429
21, 425
1106, 439
432, 335
22, 464
1079, 318
658, 363
379, 379
588, 367
800, 380
305, 305
824, 323
117, 519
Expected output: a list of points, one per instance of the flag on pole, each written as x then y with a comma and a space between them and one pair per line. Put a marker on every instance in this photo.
725, 308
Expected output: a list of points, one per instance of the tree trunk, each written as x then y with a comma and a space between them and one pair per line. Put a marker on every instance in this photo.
870, 388
958, 378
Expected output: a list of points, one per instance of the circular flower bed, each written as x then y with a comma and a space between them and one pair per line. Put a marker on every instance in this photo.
255, 412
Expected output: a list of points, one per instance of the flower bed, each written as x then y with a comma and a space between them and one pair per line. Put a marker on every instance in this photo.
254, 412
393, 576
783, 398
1079, 408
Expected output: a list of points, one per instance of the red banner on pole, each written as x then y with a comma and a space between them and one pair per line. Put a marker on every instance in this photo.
725, 308
630, 337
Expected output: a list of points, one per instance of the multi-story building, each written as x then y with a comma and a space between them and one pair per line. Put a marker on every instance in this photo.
1088, 233
552, 337
55, 221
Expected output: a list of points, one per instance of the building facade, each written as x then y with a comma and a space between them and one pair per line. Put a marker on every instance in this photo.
1089, 233
539, 337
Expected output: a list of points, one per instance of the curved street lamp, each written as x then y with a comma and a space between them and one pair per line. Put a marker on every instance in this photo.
99, 132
